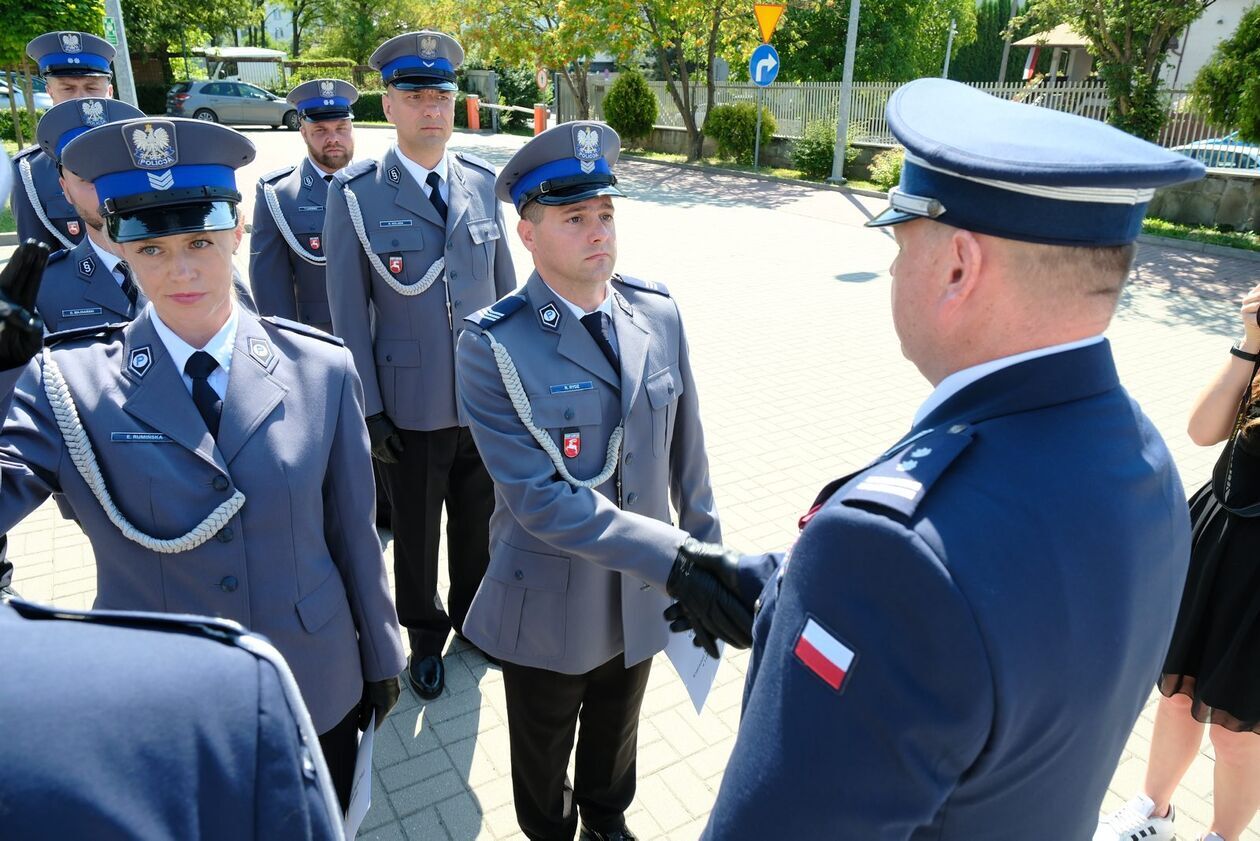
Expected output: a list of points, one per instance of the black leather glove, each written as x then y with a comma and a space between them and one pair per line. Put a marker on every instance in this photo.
710, 605
387, 445
719, 560
681, 621
21, 328
379, 696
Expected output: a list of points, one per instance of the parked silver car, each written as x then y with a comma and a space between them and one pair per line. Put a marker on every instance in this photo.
235, 103
42, 100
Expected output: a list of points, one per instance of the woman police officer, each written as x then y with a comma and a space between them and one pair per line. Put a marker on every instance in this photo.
217, 462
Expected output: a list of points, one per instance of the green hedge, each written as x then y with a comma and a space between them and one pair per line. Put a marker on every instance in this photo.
152, 98
28, 126
327, 68
734, 127
886, 167
813, 153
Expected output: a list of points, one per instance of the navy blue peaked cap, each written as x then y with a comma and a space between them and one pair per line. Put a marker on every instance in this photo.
324, 99
568, 163
1019, 171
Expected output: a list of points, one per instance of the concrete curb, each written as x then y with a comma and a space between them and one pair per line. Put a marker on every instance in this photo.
1166, 242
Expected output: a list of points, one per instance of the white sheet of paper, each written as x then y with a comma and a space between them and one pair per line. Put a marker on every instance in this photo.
361, 788
693, 664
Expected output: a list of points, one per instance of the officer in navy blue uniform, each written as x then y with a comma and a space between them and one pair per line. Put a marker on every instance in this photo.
959, 642
73, 65
110, 733
88, 284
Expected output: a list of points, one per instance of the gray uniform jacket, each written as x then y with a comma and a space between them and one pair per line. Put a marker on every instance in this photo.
576, 577
78, 291
300, 563
43, 177
285, 282
404, 346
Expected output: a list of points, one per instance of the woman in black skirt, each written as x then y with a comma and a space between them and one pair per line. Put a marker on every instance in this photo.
1212, 672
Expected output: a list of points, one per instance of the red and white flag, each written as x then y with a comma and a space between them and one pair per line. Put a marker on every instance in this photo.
823, 654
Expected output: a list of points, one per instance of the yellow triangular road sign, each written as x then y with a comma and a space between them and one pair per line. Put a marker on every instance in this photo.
768, 15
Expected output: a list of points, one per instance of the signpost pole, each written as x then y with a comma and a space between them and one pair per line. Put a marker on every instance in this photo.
757, 140
122, 58
846, 95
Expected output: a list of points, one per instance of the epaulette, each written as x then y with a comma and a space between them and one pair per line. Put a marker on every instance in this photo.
496, 312
900, 482
470, 158
58, 255
27, 151
304, 329
355, 170
101, 330
278, 173
224, 630
646, 285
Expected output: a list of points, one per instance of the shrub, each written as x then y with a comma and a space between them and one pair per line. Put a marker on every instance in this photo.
734, 127
517, 87
151, 99
630, 106
886, 167
324, 68
367, 108
6, 127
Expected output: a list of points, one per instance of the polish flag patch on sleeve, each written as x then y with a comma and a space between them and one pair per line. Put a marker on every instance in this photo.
824, 655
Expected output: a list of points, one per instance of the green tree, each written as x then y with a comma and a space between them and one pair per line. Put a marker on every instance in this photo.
898, 40
630, 106
355, 28
564, 36
157, 27
685, 37
980, 60
1227, 89
32, 21
1129, 41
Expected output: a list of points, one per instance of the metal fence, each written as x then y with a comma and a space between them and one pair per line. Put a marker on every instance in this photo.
797, 105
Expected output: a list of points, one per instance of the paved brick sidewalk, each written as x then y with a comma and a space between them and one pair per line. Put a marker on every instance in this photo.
786, 304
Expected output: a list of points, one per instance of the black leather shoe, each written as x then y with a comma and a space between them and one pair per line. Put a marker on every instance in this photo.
427, 676
623, 834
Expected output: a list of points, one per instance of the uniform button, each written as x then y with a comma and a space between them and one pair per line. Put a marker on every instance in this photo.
395, 242
221, 483
450, 243
568, 414
629, 456
225, 535
228, 584
520, 576
454, 275
632, 498
670, 389
458, 302
389, 357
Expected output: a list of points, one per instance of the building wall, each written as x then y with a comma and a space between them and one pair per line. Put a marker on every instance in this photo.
1219, 22
1224, 198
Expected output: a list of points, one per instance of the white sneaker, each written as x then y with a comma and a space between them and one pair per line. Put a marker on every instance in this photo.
1133, 822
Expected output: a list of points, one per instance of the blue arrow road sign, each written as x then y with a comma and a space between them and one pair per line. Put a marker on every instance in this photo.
763, 67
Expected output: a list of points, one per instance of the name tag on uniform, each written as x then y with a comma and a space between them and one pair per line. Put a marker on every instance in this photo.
568, 387
310, 208
81, 311
139, 438
396, 223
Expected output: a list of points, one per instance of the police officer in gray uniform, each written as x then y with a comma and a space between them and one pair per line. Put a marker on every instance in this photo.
73, 65
415, 244
159, 756
217, 462
286, 250
579, 392
88, 284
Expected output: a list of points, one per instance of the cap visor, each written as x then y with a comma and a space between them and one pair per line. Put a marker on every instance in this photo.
578, 193
322, 114
892, 216
152, 223
419, 83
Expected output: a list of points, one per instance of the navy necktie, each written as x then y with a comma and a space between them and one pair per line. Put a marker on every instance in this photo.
128, 284
199, 367
598, 325
435, 195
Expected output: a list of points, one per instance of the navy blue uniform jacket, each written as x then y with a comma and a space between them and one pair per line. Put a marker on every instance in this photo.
960, 640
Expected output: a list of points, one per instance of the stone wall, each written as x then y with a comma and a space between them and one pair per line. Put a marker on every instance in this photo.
1229, 199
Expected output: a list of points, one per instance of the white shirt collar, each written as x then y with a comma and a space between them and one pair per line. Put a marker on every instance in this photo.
959, 380
421, 174
108, 259
220, 347
605, 307
319, 170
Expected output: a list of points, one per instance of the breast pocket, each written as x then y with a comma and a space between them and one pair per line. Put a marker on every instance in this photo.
663, 390
485, 235
559, 413
401, 250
